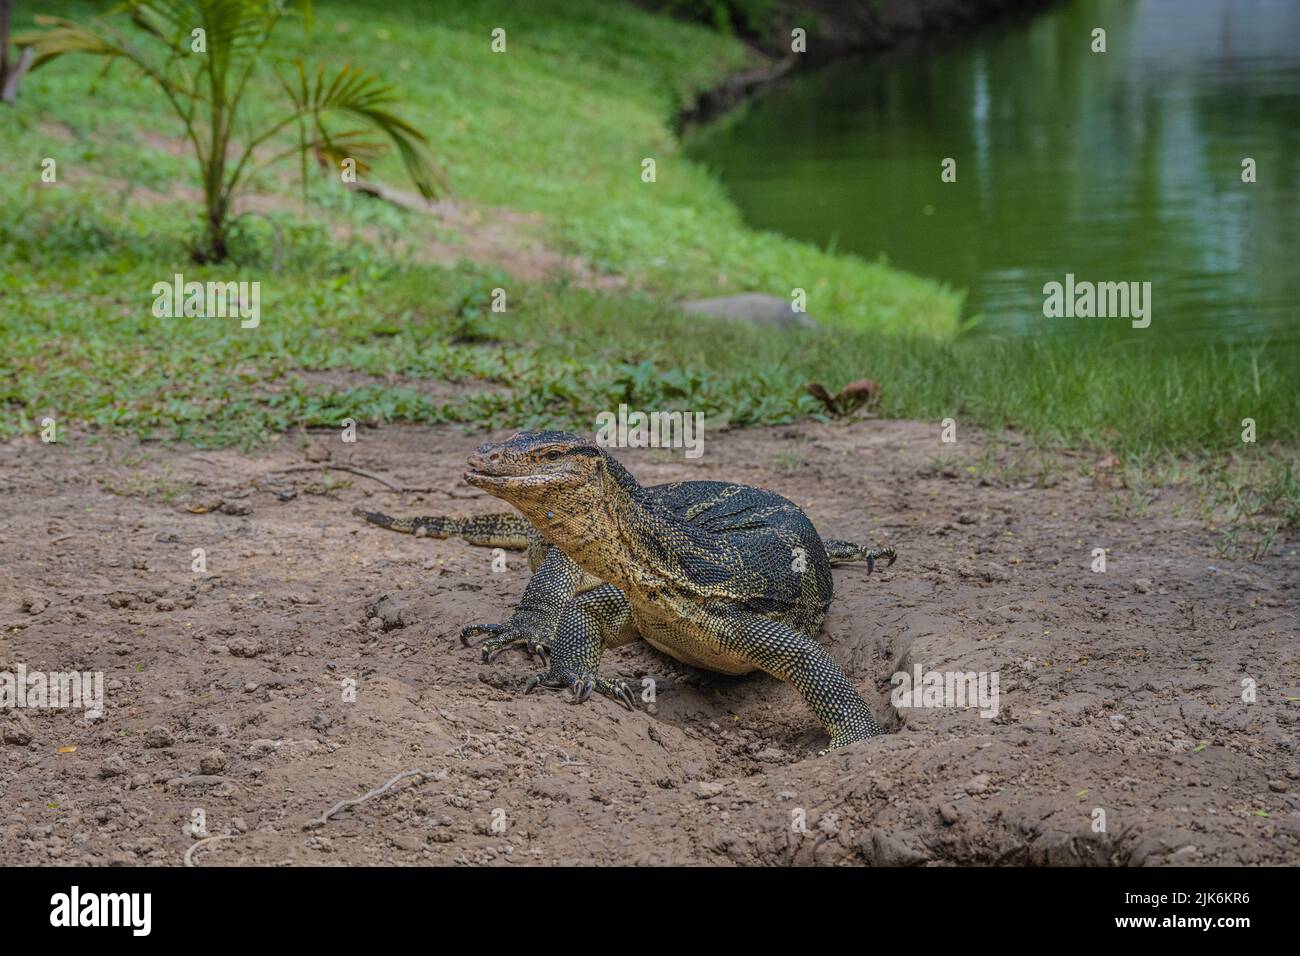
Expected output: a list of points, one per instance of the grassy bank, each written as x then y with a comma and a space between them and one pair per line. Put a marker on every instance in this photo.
84, 345
557, 127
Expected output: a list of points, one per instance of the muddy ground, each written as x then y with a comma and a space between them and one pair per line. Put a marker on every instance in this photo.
1120, 692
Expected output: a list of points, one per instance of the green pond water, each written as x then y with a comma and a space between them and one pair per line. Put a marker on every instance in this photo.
1123, 166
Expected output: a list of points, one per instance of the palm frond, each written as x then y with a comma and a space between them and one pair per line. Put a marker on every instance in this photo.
67, 36
362, 96
236, 34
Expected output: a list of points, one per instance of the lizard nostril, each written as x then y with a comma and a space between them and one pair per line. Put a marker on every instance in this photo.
495, 456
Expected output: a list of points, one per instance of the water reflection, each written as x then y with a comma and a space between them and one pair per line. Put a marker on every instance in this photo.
1122, 166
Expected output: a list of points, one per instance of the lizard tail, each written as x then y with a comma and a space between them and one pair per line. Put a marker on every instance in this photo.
503, 530
842, 552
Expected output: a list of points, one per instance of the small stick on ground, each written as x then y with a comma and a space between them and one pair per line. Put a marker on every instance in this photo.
344, 804
349, 469
189, 854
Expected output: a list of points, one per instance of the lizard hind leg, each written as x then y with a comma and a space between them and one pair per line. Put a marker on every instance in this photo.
797, 659
842, 552
591, 622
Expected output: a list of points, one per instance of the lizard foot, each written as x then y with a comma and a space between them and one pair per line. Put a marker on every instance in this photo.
863, 731
874, 555
503, 636
583, 685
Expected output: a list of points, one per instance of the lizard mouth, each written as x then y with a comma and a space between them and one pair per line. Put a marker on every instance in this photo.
494, 480
480, 479
496, 483
517, 488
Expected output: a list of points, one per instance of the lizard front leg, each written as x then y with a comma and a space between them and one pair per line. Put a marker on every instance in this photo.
591, 622
532, 623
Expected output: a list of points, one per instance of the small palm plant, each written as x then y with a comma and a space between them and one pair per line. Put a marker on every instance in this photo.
202, 55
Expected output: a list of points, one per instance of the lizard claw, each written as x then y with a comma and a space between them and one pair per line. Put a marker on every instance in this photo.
470, 629
503, 636
583, 686
616, 689
547, 679
876, 553
624, 694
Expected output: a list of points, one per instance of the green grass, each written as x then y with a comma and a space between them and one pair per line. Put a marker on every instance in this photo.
558, 127
85, 346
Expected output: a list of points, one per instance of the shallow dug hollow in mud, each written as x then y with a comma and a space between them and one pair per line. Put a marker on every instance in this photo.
1120, 692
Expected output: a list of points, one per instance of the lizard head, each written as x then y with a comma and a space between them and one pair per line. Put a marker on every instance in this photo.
540, 473
572, 491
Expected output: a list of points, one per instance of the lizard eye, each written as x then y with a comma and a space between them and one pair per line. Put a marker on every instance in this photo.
553, 455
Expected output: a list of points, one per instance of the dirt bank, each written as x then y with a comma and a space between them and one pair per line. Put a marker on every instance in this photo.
1120, 691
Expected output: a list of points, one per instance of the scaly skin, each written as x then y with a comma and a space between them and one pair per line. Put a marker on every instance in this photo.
721, 576
503, 530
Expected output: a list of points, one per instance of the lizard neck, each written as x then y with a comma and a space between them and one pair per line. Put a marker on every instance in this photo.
606, 530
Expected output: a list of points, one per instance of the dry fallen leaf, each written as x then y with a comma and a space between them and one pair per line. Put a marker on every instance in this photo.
67, 750
855, 395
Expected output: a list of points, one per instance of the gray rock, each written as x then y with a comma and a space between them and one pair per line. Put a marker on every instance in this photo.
888, 849
213, 763
16, 734
392, 611
114, 766
753, 307
243, 647
18, 730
